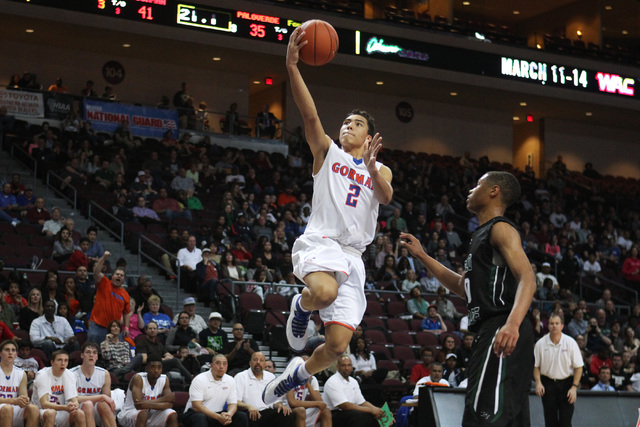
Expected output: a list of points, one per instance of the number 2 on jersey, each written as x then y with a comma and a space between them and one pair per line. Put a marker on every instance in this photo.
352, 197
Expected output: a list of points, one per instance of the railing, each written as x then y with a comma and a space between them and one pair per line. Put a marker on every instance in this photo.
115, 223
144, 240
52, 178
619, 292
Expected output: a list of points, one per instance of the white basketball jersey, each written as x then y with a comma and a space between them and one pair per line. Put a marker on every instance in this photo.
149, 393
302, 391
89, 386
10, 385
344, 206
60, 389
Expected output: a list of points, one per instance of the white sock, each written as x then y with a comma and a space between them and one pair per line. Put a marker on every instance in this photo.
302, 374
299, 304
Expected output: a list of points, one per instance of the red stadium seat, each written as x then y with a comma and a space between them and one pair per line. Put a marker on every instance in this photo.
402, 338
375, 336
396, 324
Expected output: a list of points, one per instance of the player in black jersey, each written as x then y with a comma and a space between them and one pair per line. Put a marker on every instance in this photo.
498, 284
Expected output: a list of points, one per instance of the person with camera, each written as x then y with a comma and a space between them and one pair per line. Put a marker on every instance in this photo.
239, 351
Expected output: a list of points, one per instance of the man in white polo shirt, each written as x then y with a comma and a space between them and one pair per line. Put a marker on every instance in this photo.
250, 384
557, 371
345, 400
188, 258
208, 394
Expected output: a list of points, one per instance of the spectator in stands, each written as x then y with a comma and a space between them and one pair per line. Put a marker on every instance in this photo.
79, 257
422, 370
95, 251
546, 273
444, 208
631, 342
50, 332
213, 339
181, 334
239, 351
464, 351
569, 269
417, 306
366, 372
592, 268
58, 87
144, 214
590, 172
433, 379
207, 276
631, 268
115, 352
448, 347
111, 302
165, 205
433, 322
104, 176
154, 315
452, 373
232, 122
446, 309
429, 282
26, 362
410, 281
578, 324
188, 259
123, 136
229, 268
143, 291
595, 339
182, 182
266, 123
196, 321
241, 231
52, 226
32, 310
8, 206
604, 378
26, 199
86, 287
63, 246
13, 298
71, 295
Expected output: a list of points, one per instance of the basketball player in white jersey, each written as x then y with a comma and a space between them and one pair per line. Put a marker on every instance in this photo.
15, 409
94, 389
149, 399
307, 404
55, 394
349, 184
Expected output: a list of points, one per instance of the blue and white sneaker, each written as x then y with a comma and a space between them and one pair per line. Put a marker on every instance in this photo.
297, 325
285, 382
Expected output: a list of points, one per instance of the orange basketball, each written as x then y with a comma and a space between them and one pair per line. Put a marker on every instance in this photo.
322, 42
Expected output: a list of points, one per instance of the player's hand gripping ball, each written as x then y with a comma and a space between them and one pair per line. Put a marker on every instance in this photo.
322, 42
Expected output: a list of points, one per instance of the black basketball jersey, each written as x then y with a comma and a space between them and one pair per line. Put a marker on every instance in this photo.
489, 284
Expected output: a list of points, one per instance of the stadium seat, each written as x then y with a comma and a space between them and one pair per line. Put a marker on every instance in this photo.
396, 324
374, 309
376, 336
402, 338
396, 308
374, 322
426, 338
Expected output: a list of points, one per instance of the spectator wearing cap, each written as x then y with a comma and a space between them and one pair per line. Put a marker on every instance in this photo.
433, 322
143, 184
196, 321
213, 339
546, 274
207, 275
144, 214
38, 214
188, 259
452, 373
52, 226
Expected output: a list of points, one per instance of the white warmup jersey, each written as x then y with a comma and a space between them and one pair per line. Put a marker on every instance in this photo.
89, 386
149, 393
300, 393
60, 389
10, 385
344, 206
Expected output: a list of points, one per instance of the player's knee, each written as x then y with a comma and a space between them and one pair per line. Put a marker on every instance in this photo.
300, 413
49, 415
324, 296
335, 348
87, 407
325, 414
32, 411
6, 411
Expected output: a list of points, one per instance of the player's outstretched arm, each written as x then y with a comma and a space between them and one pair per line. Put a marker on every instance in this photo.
507, 241
450, 279
316, 137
